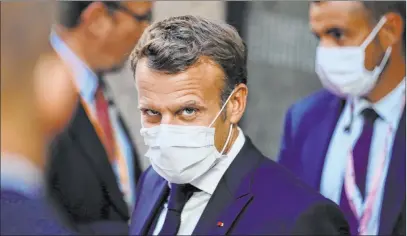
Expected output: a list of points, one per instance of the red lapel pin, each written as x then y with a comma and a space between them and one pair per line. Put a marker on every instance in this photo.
220, 224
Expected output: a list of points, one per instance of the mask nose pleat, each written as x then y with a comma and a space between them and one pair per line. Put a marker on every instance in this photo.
185, 136
180, 153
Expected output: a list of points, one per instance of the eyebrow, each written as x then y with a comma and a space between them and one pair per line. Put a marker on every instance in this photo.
190, 103
328, 30
187, 103
333, 29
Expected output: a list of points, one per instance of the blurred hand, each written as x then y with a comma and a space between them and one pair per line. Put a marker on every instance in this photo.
56, 93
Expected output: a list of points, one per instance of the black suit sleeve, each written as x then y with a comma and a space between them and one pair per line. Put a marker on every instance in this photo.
53, 186
400, 227
321, 219
104, 228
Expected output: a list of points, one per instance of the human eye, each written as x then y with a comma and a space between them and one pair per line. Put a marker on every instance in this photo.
150, 112
188, 111
336, 33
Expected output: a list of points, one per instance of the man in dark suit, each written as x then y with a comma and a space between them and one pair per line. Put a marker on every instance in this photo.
26, 120
348, 140
191, 79
93, 165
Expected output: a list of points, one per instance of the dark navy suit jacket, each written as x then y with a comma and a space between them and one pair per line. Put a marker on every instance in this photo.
22, 215
308, 129
255, 196
27, 215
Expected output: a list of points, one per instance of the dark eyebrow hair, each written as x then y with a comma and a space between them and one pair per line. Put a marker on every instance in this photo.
187, 103
333, 29
329, 30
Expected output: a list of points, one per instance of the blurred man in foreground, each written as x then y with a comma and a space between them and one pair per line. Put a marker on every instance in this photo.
33, 109
93, 165
348, 141
206, 176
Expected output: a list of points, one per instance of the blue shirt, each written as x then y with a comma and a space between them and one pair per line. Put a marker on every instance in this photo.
389, 109
87, 82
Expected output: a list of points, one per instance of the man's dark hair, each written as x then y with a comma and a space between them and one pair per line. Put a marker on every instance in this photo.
380, 8
175, 44
71, 11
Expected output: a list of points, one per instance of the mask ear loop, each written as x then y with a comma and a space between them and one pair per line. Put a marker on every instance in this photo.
374, 32
231, 125
385, 58
223, 107
228, 139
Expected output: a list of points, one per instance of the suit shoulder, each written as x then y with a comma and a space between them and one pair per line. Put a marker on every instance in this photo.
294, 203
277, 184
310, 103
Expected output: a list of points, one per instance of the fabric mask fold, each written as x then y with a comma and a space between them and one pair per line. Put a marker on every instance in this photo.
180, 153
191, 136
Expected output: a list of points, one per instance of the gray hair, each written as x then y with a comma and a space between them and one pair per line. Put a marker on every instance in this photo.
175, 44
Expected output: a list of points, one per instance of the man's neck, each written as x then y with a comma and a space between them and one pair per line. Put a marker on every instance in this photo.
23, 139
75, 43
389, 80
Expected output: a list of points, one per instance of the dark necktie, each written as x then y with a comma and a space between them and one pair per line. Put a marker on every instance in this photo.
102, 113
361, 149
360, 152
179, 195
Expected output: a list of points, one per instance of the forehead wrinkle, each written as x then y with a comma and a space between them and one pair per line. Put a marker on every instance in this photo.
182, 89
172, 99
198, 80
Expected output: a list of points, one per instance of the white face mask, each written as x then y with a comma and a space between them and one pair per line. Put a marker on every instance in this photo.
179, 153
342, 69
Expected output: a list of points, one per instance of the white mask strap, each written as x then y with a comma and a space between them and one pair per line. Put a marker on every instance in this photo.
223, 107
385, 58
374, 32
228, 139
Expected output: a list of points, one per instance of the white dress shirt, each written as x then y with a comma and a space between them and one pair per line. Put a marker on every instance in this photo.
389, 109
207, 183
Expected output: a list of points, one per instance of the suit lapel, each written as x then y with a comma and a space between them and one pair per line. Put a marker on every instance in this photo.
232, 193
317, 142
395, 186
226, 220
84, 135
151, 198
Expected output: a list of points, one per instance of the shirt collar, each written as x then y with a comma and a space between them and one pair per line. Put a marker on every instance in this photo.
210, 179
389, 107
85, 79
19, 174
